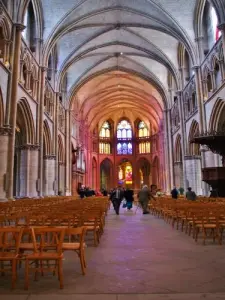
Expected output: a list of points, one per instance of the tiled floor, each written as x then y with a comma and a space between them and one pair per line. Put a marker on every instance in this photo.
138, 254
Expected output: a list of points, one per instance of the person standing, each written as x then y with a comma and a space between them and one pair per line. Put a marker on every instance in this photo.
190, 195
144, 197
174, 193
129, 196
117, 197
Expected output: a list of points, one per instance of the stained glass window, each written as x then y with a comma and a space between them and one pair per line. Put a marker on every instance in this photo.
104, 148
105, 130
144, 147
143, 130
124, 134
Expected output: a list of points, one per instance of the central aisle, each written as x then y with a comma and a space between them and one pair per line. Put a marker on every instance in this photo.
138, 254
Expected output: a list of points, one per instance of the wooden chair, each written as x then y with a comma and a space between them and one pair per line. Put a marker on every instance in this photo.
48, 248
9, 250
76, 243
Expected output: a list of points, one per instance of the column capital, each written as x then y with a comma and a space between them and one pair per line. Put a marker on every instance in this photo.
50, 157
43, 69
179, 93
196, 67
19, 26
199, 38
5, 131
30, 147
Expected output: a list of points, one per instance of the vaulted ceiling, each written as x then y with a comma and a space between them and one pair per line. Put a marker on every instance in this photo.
116, 55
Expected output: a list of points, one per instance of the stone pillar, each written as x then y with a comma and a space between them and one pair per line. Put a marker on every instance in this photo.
55, 148
167, 158
194, 173
178, 174
183, 135
199, 41
61, 177
49, 175
42, 76
33, 171
18, 28
68, 169
4, 139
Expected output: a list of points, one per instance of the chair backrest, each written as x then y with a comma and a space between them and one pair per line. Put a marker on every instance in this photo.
10, 238
47, 238
72, 233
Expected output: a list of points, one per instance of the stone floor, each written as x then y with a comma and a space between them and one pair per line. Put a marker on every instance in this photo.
140, 258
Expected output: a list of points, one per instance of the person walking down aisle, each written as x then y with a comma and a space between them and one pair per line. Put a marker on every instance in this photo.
174, 193
144, 197
190, 195
117, 197
129, 196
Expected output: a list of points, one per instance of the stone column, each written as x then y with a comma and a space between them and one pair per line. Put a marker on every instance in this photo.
55, 148
33, 171
42, 76
194, 174
49, 175
68, 150
4, 139
199, 41
18, 28
61, 177
183, 135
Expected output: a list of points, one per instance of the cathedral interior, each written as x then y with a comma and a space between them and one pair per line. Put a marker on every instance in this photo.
103, 94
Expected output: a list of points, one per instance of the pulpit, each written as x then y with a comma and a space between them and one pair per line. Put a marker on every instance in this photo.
214, 176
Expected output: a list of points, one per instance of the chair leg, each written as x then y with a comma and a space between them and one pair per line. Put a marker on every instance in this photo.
13, 273
60, 272
26, 283
82, 263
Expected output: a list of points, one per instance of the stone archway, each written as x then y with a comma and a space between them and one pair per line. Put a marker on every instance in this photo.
106, 174
155, 172
26, 153
143, 173
178, 163
94, 174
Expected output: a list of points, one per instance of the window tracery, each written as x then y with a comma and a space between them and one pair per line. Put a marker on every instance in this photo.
124, 138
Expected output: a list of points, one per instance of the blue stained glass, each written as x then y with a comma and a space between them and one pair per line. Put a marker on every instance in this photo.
119, 148
124, 148
129, 148
119, 134
129, 134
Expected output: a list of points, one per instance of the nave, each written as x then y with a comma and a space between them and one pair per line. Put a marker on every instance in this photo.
137, 255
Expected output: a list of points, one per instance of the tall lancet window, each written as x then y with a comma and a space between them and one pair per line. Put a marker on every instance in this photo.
143, 133
124, 138
105, 134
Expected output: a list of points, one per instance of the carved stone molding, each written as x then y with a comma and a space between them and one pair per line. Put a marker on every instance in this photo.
50, 157
5, 131
30, 147
62, 163
19, 26
192, 157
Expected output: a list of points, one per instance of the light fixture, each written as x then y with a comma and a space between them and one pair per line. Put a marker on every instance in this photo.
121, 53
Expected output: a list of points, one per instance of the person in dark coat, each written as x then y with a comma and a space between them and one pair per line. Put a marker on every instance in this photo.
117, 197
174, 193
82, 192
129, 196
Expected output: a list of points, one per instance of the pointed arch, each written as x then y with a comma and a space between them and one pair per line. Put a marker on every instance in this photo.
47, 139
94, 173
61, 152
26, 121
194, 149
217, 117
178, 149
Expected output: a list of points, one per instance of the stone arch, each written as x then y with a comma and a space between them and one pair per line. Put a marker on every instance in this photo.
178, 149
24, 141
61, 152
194, 149
143, 172
25, 117
38, 13
217, 118
94, 174
4, 40
155, 171
106, 174
47, 139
